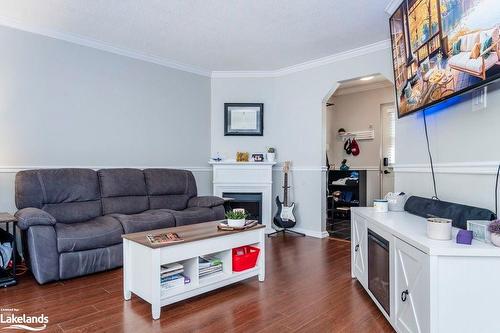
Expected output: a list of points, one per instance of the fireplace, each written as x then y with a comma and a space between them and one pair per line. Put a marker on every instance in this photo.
251, 202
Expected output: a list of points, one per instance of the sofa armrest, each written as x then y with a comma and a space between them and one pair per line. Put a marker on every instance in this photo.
28, 217
205, 201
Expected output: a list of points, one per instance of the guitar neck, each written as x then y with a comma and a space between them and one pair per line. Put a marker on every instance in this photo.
285, 190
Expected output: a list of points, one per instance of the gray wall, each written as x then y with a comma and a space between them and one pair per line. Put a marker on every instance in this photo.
62, 104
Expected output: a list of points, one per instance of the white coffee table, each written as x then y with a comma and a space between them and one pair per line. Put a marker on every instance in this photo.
142, 261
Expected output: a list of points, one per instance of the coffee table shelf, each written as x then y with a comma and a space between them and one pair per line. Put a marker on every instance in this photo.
142, 262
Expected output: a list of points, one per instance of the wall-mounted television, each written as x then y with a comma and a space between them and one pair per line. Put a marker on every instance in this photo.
443, 48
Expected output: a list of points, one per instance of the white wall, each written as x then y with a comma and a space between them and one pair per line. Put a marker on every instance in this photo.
294, 123
356, 112
62, 104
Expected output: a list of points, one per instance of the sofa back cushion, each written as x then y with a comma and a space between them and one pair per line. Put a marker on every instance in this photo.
70, 195
170, 188
123, 191
468, 41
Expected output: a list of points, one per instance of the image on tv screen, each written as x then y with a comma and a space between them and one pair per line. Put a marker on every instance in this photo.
442, 48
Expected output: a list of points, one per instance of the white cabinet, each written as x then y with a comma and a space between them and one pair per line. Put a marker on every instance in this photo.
359, 244
411, 288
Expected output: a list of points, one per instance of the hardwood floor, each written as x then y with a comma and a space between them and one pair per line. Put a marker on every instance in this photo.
308, 288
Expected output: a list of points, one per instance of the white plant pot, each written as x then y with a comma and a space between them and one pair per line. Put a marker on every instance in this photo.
495, 239
271, 157
240, 223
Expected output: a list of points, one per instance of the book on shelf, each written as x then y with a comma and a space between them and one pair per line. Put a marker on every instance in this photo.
164, 238
211, 271
173, 281
171, 269
209, 265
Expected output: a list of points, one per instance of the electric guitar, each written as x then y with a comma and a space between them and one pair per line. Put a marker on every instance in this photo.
284, 217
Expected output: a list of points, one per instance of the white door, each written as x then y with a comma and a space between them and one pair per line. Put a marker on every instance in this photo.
411, 288
359, 249
388, 148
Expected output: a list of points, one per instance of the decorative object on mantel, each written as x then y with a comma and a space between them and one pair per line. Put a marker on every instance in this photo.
242, 156
236, 218
271, 154
217, 157
464, 237
479, 229
344, 166
244, 119
494, 229
438, 228
258, 157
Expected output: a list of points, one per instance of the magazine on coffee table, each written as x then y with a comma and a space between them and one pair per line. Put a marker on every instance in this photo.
164, 238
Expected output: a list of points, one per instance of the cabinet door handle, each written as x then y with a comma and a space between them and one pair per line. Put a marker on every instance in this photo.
356, 248
404, 294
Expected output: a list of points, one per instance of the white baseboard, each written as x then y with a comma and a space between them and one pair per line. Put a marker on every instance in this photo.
311, 233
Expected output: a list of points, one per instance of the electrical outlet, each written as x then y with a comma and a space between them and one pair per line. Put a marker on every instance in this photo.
479, 99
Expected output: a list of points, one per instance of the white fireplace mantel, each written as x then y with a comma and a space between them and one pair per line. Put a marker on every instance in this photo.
246, 177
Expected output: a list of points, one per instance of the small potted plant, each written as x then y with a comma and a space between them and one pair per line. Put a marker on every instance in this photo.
271, 154
236, 218
494, 229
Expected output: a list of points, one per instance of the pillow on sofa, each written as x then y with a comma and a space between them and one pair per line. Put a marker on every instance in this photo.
456, 47
468, 42
476, 50
485, 45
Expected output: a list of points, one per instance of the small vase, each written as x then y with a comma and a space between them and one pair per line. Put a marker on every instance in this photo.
495, 239
271, 157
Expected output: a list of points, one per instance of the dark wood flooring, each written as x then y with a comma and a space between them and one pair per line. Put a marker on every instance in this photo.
308, 288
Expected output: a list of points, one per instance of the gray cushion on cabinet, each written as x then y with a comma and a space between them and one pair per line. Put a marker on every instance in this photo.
148, 220
72, 264
123, 191
28, 217
205, 201
100, 232
193, 215
64, 193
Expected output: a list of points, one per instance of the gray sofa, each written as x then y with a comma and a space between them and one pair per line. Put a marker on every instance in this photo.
73, 219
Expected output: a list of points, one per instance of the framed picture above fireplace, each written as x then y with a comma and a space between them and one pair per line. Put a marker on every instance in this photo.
244, 119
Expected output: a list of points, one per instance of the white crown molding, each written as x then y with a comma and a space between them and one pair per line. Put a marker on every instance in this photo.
362, 88
100, 45
392, 6
367, 49
15, 169
465, 168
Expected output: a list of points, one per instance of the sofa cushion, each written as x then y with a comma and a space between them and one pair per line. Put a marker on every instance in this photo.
468, 41
72, 264
148, 220
99, 232
463, 61
69, 195
193, 215
169, 188
123, 191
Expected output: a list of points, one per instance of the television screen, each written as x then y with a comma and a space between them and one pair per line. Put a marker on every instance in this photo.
442, 48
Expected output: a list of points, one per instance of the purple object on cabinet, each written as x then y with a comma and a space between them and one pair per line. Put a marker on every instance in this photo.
464, 237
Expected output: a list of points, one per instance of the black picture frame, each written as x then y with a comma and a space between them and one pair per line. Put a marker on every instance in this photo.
257, 108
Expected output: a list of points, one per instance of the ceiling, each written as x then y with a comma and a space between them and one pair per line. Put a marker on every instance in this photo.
212, 35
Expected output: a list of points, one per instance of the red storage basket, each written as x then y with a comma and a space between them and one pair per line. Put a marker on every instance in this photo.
245, 257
